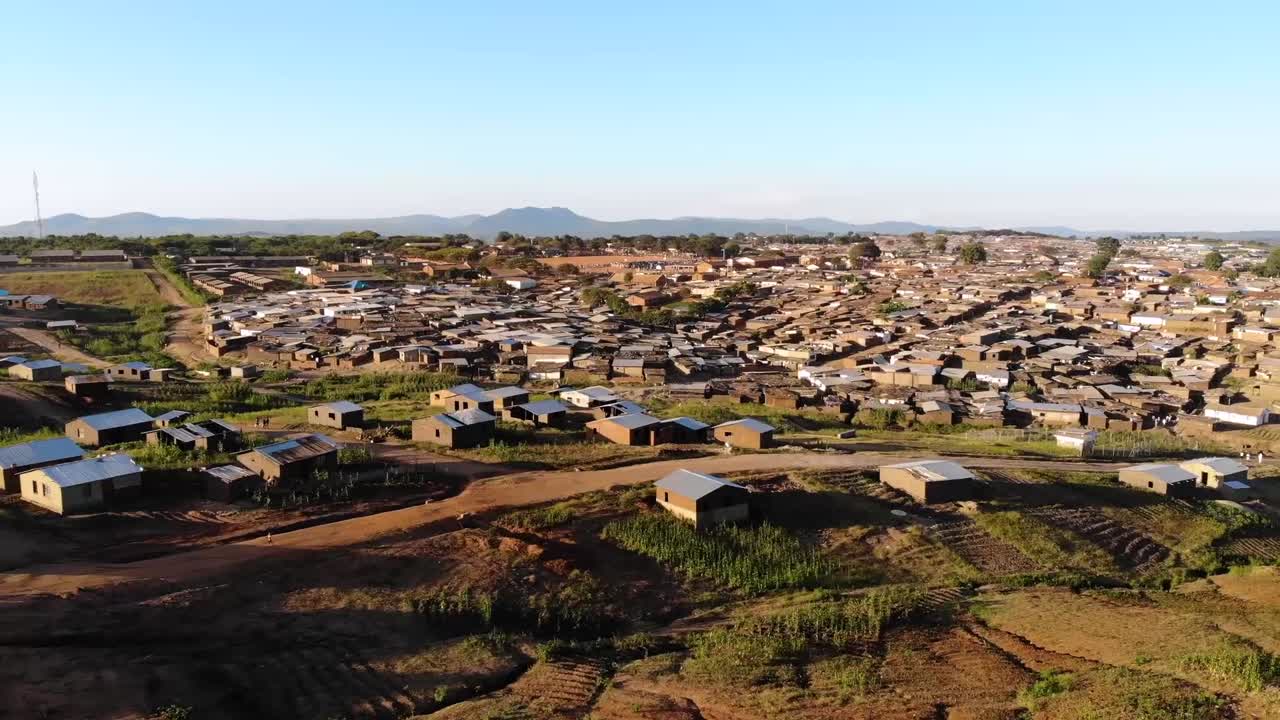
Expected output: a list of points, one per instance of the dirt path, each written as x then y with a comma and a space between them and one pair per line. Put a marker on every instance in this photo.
500, 492
26, 407
184, 339
56, 348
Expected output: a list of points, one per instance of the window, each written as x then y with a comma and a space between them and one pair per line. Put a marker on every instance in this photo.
728, 433
44, 490
331, 416
1150, 484
35, 488
437, 433
666, 497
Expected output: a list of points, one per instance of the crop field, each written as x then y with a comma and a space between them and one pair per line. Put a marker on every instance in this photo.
114, 288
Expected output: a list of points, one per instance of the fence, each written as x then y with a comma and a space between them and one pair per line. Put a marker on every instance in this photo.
1109, 445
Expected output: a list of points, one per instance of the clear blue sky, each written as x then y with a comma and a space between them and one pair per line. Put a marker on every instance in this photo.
1138, 115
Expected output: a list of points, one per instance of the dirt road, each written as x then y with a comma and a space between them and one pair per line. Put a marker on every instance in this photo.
184, 339
56, 348
499, 492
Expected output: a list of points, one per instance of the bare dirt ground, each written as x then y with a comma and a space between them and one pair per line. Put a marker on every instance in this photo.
501, 492
184, 340
32, 406
57, 348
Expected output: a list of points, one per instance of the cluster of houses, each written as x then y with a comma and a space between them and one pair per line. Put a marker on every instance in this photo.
88, 387
62, 256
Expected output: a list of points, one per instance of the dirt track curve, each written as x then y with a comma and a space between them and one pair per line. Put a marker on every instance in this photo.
505, 491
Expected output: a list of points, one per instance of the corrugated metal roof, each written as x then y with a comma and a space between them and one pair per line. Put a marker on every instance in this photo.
1163, 471
931, 470
117, 418
689, 423
229, 473
303, 448
171, 415
41, 364
506, 392
751, 424
39, 451
693, 485
81, 472
342, 406
544, 407
633, 421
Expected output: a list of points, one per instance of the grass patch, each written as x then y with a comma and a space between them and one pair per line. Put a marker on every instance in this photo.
1241, 665
786, 421
16, 436
1121, 694
169, 269
543, 518
1049, 684
115, 288
361, 387
1049, 546
561, 456
751, 559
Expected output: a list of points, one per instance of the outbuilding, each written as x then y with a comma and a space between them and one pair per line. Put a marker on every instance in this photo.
1213, 472
930, 481
550, 413
17, 459
37, 370
82, 485
745, 433
507, 397
341, 415
704, 500
1160, 478
635, 429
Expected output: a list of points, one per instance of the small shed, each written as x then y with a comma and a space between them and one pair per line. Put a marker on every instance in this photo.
228, 483
506, 397
930, 481
745, 433
1161, 478
342, 414
89, 387
704, 500
1079, 440
551, 413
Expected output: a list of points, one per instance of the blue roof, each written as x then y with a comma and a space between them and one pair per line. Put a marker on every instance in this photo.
39, 451
41, 364
91, 470
117, 418
633, 421
342, 406
689, 423
748, 423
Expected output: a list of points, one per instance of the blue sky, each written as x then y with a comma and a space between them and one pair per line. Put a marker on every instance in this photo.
1135, 115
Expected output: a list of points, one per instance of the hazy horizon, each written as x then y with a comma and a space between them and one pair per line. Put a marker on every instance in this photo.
1143, 117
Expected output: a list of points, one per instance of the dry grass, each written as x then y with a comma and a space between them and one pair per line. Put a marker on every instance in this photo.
117, 288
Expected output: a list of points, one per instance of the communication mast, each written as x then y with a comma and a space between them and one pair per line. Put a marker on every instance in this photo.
35, 185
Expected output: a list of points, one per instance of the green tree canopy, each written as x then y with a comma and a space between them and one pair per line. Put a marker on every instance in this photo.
973, 253
1213, 260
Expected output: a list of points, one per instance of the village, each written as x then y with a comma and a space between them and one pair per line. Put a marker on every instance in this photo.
941, 420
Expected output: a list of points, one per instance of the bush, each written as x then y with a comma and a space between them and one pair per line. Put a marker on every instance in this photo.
1050, 683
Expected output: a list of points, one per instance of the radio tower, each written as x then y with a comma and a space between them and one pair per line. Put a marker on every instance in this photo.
35, 185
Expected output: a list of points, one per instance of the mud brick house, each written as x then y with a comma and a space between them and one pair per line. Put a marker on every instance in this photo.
37, 370
507, 397
681, 431
130, 372
636, 429
89, 387
109, 428
930, 481
228, 483
210, 436
1215, 472
1161, 478
746, 433
589, 397
81, 485
704, 500
551, 413
284, 463
461, 429
463, 397
340, 415
17, 459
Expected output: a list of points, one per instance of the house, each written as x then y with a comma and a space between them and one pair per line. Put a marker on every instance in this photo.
463, 397
589, 397
109, 428
704, 500
89, 387
680, 431
17, 459
1248, 414
506, 397
462, 429
1077, 439
1214, 472
930, 481
37, 370
210, 436
745, 433
228, 483
170, 418
635, 429
81, 485
341, 415
550, 413
289, 461
245, 372
1161, 478
130, 371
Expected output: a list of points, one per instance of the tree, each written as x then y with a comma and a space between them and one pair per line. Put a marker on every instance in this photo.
973, 253
1098, 265
1271, 268
1213, 260
1108, 246
940, 243
864, 249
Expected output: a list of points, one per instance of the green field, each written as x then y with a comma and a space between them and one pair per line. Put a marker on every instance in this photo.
116, 288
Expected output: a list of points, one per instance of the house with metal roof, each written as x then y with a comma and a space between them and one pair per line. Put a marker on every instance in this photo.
1161, 478
289, 461
81, 485
17, 459
227, 483
704, 500
461, 429
929, 481
340, 415
441, 398
130, 372
589, 397
680, 431
506, 397
37, 370
551, 413
634, 429
109, 428
747, 433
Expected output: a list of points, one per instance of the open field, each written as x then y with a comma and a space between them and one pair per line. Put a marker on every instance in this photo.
114, 288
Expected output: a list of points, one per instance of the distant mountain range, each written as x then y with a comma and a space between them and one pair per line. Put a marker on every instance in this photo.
524, 221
